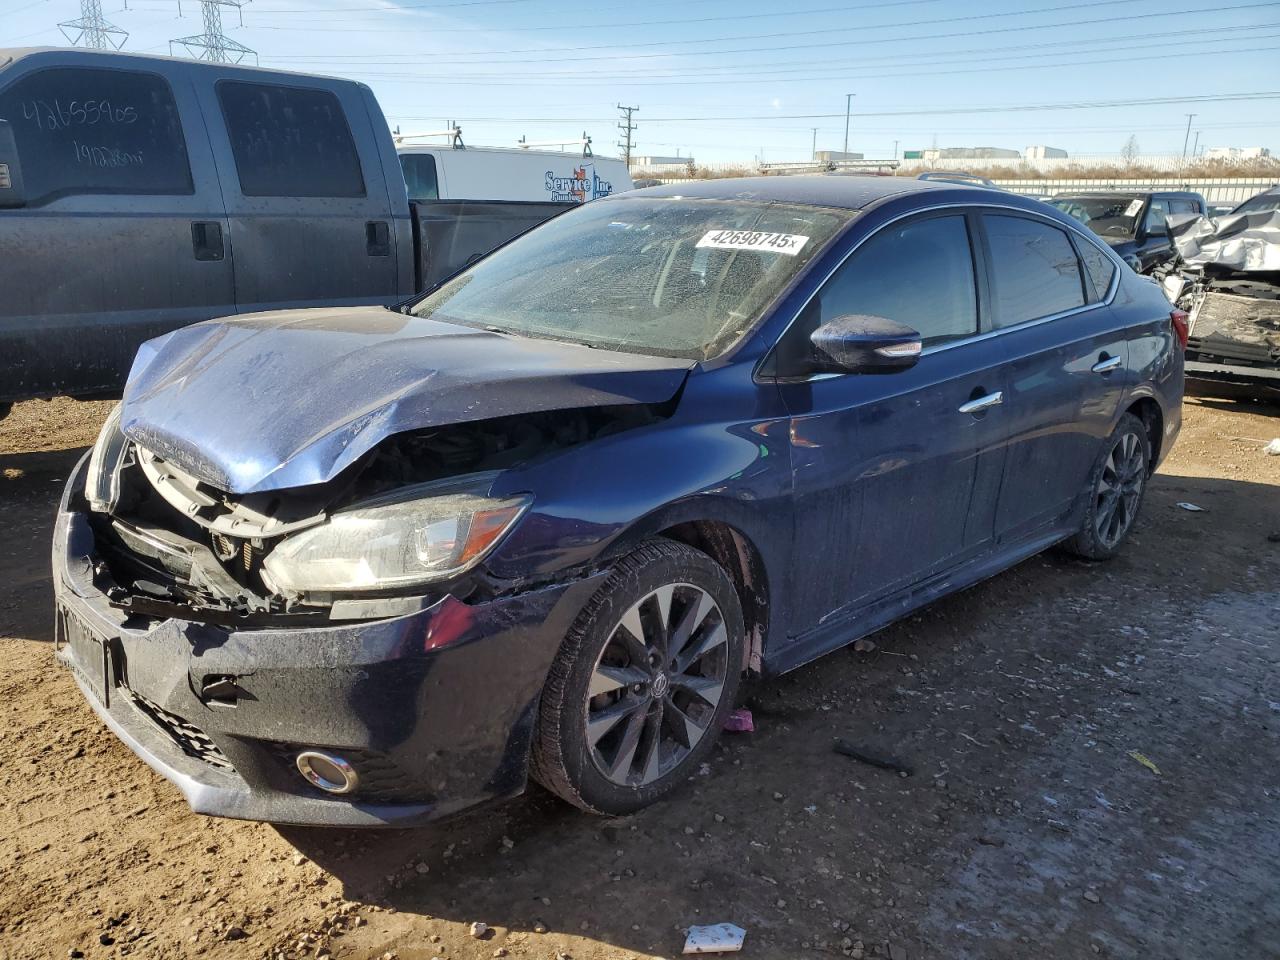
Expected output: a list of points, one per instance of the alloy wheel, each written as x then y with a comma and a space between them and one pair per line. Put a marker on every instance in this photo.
1119, 490
656, 684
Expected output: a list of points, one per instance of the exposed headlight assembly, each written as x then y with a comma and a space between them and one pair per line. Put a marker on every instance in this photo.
413, 537
102, 480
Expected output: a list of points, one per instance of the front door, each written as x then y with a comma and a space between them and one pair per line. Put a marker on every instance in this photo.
895, 475
120, 239
305, 192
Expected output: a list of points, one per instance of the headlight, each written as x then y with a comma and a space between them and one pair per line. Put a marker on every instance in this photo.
388, 543
102, 480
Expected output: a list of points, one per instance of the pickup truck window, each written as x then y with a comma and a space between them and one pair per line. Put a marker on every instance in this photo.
290, 141
663, 276
420, 176
1034, 270
81, 131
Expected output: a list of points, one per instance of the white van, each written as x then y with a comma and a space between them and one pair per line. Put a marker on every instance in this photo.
444, 172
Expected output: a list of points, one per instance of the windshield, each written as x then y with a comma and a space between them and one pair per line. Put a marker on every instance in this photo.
1263, 201
660, 276
1110, 216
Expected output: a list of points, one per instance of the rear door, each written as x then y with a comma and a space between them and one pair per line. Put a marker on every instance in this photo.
1066, 369
895, 475
305, 192
122, 238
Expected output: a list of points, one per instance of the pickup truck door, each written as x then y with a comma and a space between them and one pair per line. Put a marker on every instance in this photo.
307, 193
122, 236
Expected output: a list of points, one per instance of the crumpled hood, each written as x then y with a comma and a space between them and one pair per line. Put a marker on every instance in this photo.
271, 401
1245, 242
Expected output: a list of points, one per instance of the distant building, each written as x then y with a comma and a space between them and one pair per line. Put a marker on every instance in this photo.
1044, 153
652, 163
833, 156
1236, 153
971, 153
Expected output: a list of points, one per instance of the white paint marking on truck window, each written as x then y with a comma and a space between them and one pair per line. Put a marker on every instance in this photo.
787, 243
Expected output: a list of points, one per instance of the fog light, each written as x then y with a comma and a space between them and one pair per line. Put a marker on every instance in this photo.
331, 774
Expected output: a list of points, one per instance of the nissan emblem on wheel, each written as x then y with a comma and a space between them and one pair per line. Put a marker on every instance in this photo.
374, 566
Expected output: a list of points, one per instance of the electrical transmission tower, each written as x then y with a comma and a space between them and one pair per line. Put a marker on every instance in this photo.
213, 44
627, 128
91, 30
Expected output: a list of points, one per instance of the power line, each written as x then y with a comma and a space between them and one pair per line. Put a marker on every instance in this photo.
92, 30
685, 21
916, 38
948, 110
984, 54
627, 128
213, 44
471, 80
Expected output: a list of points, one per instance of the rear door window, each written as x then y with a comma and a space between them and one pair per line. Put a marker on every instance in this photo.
87, 131
1183, 206
290, 141
1034, 270
420, 176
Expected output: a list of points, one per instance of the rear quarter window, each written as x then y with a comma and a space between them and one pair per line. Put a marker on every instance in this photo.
86, 131
1098, 269
290, 141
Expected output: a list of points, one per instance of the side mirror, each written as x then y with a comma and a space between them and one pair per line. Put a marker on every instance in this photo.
12, 191
865, 344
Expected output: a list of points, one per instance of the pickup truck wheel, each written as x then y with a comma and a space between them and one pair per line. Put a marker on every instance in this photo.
641, 685
1116, 486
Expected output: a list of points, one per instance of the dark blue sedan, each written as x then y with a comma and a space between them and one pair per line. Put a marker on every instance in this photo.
362, 566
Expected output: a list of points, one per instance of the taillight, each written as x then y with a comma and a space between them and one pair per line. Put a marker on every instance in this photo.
1181, 326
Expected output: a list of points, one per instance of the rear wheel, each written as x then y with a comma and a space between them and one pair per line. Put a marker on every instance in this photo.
641, 685
1116, 487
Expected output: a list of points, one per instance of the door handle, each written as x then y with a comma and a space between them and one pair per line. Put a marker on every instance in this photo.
206, 239
1107, 364
978, 404
377, 234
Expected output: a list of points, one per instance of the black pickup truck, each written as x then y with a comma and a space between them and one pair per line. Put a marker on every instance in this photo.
1133, 222
139, 194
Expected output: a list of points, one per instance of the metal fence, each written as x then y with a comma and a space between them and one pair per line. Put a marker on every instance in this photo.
1214, 190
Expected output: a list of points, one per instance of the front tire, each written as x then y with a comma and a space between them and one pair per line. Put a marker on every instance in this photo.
643, 682
1115, 490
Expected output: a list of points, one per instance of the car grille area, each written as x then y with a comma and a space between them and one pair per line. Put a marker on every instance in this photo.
189, 738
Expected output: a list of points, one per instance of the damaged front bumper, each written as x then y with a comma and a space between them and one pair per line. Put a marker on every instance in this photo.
433, 710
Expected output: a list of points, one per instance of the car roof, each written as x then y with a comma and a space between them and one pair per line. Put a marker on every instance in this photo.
78, 56
853, 193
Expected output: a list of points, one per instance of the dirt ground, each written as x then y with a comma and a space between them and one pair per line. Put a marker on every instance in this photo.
1094, 753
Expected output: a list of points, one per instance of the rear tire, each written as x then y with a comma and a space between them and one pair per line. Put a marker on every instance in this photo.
643, 682
1116, 486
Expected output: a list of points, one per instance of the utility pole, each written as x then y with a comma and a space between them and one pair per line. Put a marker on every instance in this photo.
813, 153
1194, 144
91, 30
214, 45
1186, 136
848, 103
895, 149
627, 128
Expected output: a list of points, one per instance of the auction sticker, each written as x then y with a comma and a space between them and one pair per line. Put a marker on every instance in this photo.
788, 243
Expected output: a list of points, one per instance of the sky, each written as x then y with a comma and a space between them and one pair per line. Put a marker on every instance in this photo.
744, 80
